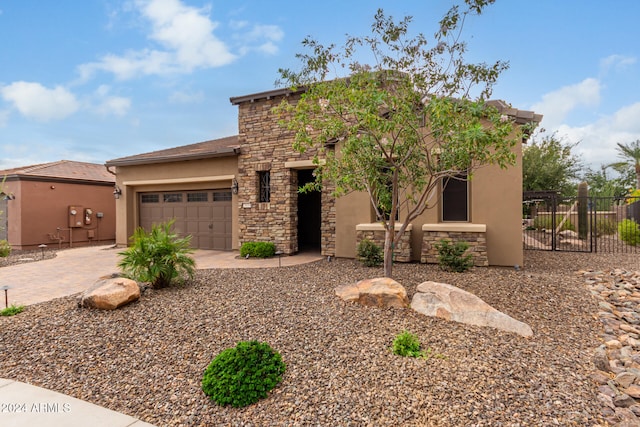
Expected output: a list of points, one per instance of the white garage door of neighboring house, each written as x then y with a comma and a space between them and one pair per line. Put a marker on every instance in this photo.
204, 214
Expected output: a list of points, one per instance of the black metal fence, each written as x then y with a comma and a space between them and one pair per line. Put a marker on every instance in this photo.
589, 224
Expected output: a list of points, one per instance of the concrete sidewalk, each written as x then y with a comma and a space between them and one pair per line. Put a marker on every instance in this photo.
24, 405
71, 272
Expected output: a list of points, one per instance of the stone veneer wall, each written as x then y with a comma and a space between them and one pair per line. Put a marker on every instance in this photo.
376, 232
266, 146
475, 236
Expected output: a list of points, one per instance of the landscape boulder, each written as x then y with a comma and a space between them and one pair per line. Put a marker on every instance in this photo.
378, 292
450, 303
110, 293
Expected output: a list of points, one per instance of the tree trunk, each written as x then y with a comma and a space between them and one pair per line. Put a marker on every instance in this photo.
388, 252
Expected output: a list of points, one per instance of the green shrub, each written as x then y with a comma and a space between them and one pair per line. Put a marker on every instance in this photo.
606, 226
545, 222
244, 374
158, 257
5, 249
407, 344
451, 257
258, 249
369, 253
12, 310
629, 232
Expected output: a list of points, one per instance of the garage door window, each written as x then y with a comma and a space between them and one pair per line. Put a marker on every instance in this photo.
222, 196
150, 198
197, 197
172, 197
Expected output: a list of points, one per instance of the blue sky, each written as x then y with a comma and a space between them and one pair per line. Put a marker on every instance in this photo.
101, 79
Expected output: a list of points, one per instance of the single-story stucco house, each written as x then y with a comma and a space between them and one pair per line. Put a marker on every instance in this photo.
243, 188
62, 204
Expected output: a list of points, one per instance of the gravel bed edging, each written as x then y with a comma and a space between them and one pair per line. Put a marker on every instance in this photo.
147, 358
618, 360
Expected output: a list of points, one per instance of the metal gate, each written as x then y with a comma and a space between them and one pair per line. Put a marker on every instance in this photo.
588, 224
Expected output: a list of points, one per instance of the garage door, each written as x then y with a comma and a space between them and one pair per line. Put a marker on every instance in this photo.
205, 215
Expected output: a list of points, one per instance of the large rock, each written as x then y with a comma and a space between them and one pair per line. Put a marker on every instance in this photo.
378, 292
110, 293
451, 303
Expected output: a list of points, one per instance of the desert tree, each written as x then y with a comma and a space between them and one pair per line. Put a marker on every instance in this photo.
400, 123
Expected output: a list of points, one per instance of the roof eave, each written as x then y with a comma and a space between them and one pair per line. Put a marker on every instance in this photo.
236, 100
223, 152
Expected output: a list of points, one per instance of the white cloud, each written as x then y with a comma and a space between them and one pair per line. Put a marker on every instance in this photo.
180, 97
556, 105
597, 140
616, 62
185, 35
184, 40
261, 38
107, 105
4, 118
37, 102
114, 105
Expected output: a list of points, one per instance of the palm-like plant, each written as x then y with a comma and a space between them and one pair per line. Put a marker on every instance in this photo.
631, 154
158, 257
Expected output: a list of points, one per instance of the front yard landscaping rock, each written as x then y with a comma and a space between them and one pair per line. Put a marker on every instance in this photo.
147, 359
450, 303
110, 293
379, 292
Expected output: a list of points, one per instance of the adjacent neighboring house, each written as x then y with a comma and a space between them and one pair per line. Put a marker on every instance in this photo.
244, 188
59, 204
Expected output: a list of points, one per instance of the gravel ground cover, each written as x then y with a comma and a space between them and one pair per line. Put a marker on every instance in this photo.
147, 359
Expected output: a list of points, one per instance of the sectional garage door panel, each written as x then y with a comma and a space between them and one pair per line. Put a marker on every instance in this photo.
205, 215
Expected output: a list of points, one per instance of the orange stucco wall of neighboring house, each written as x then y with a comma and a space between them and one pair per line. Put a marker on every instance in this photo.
40, 214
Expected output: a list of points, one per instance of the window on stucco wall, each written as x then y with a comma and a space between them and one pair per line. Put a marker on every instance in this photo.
264, 184
455, 199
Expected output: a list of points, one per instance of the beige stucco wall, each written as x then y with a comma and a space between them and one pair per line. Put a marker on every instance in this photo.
495, 200
351, 210
213, 173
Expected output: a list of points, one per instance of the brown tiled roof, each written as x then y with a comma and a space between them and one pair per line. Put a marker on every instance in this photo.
67, 170
227, 146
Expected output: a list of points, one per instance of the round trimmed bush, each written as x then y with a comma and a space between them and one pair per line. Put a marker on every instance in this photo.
243, 375
369, 253
258, 249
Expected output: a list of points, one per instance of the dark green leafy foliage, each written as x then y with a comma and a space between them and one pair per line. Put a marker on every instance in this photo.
158, 257
258, 249
243, 375
369, 253
629, 232
452, 257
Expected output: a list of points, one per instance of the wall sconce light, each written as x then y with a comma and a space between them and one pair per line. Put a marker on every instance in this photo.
117, 192
7, 196
234, 186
